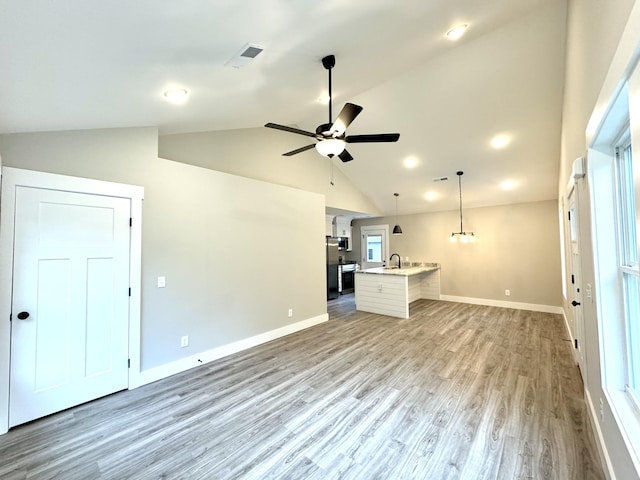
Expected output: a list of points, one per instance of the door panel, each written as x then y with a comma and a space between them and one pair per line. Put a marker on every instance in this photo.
51, 331
71, 273
374, 246
576, 284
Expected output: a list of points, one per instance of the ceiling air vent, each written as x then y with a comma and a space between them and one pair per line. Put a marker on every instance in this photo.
247, 53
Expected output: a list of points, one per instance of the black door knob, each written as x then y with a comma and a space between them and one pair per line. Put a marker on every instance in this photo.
575, 304
23, 315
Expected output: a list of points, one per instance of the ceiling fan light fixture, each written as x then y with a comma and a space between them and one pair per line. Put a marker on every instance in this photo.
330, 147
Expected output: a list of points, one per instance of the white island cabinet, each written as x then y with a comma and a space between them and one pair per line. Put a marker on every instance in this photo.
389, 291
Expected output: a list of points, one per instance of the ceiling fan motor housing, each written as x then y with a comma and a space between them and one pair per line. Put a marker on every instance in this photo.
324, 129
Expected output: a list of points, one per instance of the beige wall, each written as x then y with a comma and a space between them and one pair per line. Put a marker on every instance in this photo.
516, 249
257, 153
222, 241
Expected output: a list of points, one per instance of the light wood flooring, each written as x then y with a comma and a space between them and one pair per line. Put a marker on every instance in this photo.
455, 392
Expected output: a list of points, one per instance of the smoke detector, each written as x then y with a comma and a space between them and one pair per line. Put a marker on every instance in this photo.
247, 53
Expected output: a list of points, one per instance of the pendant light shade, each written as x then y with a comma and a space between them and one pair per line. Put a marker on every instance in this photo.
397, 230
462, 236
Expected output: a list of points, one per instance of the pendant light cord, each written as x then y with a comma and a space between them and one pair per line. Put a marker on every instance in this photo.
396, 195
460, 190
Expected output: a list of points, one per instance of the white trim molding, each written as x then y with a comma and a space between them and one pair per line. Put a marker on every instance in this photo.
501, 303
202, 358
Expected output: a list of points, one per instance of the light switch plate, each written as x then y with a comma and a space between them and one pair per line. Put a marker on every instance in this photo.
162, 282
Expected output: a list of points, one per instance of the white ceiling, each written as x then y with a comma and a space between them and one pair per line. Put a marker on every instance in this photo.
78, 64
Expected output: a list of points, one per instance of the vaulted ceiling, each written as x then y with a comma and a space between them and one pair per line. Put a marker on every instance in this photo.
75, 64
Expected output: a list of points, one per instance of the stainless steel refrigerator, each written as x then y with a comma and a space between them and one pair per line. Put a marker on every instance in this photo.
332, 268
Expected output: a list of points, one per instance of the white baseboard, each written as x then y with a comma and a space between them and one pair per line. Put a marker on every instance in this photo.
500, 303
605, 460
202, 358
566, 324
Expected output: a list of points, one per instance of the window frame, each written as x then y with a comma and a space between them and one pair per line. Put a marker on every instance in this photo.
628, 266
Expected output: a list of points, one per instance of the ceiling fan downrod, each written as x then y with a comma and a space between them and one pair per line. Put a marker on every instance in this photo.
329, 62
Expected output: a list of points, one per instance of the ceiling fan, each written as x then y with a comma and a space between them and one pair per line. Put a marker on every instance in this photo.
331, 138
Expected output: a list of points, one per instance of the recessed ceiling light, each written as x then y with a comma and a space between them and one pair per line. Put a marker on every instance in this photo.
410, 162
176, 95
500, 141
430, 196
456, 32
509, 185
324, 100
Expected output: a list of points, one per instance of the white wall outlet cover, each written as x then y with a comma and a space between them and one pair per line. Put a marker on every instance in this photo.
162, 282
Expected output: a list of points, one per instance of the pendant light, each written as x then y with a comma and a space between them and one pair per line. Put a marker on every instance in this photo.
462, 236
397, 230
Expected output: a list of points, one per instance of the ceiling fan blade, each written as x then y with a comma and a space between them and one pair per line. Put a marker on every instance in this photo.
291, 130
373, 138
299, 150
347, 115
345, 156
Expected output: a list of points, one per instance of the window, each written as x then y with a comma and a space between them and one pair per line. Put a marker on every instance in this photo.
374, 248
628, 259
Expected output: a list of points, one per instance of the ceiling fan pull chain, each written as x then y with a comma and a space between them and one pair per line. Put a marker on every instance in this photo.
331, 170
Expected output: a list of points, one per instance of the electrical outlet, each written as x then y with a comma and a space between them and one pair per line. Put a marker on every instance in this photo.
162, 282
507, 293
290, 312
184, 341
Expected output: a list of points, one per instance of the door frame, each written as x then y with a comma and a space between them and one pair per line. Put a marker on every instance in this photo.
575, 264
367, 228
14, 177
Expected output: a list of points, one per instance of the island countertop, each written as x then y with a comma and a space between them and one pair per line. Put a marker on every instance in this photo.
404, 271
389, 291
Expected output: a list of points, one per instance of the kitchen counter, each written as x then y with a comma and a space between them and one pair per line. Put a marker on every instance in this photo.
390, 291
406, 271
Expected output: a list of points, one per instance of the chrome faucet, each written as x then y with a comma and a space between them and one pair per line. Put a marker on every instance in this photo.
399, 261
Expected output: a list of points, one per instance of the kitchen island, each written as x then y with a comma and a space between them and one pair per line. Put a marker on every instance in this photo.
389, 290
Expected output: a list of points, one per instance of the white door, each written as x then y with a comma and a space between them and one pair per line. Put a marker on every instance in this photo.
576, 282
374, 245
70, 304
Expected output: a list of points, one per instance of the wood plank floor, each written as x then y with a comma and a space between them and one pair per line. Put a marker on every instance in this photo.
454, 392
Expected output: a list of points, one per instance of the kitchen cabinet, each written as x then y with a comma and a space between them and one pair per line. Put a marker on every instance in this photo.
342, 227
328, 226
390, 291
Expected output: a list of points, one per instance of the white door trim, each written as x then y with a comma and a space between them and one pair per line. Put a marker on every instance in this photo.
385, 246
577, 312
13, 177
